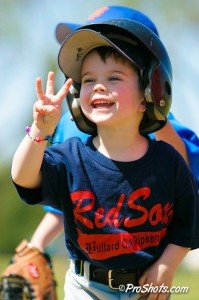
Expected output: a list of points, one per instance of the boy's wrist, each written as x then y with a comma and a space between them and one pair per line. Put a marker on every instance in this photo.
39, 134
173, 256
42, 132
167, 266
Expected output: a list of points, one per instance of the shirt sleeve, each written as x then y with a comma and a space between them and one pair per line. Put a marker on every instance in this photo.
192, 145
184, 227
49, 193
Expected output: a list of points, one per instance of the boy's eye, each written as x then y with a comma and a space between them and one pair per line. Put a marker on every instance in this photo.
88, 80
113, 78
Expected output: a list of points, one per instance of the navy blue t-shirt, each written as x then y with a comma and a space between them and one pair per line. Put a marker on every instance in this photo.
119, 214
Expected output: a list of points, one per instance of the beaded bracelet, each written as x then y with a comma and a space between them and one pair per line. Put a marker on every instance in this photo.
37, 139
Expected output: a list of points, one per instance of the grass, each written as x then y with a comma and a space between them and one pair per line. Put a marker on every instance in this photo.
183, 278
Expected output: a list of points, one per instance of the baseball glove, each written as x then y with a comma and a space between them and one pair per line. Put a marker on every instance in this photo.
28, 276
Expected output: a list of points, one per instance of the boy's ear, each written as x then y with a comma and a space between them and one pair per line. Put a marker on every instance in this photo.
142, 106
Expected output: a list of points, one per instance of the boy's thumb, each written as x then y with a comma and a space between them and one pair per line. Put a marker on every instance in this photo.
143, 279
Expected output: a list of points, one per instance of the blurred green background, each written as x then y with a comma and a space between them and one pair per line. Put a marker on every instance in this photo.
28, 49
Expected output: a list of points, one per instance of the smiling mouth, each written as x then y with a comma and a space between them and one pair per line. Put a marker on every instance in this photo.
102, 104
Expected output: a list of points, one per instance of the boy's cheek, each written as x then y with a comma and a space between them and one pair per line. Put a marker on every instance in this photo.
83, 102
84, 96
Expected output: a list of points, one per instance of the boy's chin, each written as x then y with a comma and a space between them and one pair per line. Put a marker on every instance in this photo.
100, 118
100, 121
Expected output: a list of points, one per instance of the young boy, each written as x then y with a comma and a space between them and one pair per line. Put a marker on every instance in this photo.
129, 203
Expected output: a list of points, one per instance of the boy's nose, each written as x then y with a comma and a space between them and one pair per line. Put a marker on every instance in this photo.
99, 87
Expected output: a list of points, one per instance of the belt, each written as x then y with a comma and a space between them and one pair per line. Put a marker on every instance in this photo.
111, 278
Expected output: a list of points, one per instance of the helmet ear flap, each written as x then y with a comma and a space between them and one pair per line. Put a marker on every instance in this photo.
81, 121
158, 98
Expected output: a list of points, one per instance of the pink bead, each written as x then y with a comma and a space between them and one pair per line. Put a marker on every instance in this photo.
38, 139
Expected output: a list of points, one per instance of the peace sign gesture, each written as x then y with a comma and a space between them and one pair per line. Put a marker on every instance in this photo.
47, 110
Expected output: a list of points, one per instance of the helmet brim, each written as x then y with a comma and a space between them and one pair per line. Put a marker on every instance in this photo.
144, 45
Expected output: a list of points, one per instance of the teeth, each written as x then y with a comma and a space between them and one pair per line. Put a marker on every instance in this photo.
102, 103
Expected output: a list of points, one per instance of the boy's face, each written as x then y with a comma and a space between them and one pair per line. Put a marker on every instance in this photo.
110, 94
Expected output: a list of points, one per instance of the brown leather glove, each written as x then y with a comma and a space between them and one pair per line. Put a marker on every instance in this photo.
28, 276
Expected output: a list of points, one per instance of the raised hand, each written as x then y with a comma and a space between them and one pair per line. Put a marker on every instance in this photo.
47, 110
27, 161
